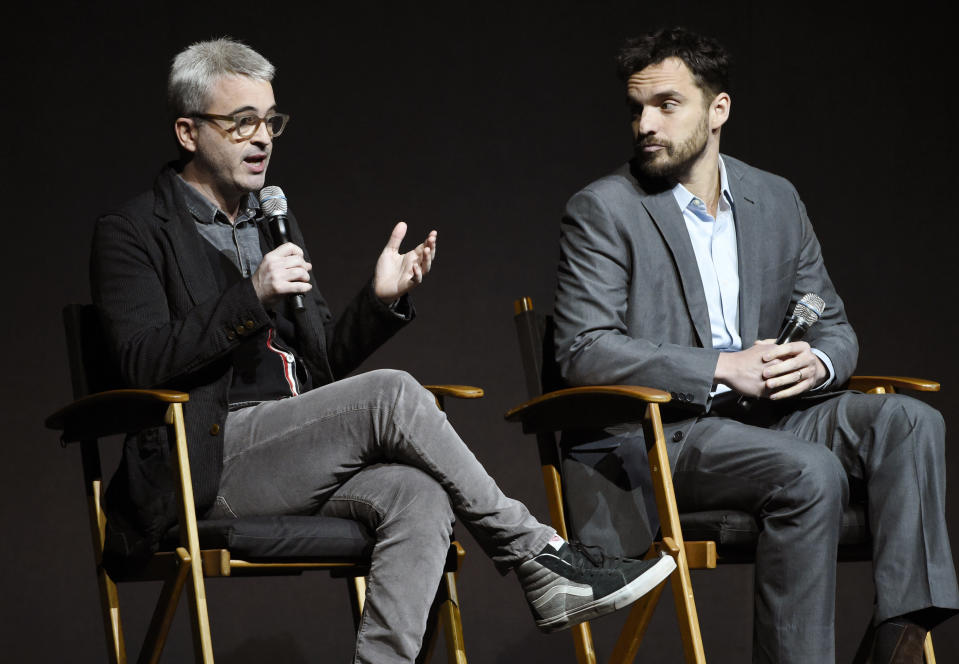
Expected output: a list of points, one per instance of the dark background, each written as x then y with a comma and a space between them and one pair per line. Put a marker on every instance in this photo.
480, 120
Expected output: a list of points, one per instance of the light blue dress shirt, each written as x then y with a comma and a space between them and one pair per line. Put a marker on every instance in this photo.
714, 243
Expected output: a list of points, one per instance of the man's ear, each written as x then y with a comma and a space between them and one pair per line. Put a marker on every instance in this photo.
186, 131
719, 110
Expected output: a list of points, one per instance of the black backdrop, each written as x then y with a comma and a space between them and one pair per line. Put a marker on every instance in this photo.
480, 120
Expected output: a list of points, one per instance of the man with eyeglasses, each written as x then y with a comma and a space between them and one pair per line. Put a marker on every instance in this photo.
194, 295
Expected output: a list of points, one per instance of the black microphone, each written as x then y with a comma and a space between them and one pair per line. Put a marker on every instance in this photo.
808, 310
274, 206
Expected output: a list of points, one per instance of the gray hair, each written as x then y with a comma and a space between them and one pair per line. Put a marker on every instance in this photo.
196, 68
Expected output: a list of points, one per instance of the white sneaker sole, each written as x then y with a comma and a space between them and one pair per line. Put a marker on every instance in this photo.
613, 601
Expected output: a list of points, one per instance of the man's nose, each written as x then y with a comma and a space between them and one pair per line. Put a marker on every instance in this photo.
646, 122
262, 135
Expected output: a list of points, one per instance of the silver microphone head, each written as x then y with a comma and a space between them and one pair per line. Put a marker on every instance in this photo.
809, 308
273, 201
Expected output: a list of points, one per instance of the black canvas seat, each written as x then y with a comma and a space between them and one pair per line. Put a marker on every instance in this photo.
302, 538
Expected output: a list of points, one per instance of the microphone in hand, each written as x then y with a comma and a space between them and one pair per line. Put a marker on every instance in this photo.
274, 205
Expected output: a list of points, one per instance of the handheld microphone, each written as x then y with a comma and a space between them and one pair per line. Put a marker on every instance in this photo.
274, 205
807, 311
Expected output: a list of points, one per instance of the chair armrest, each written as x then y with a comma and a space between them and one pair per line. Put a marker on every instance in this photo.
456, 391
113, 412
867, 383
591, 407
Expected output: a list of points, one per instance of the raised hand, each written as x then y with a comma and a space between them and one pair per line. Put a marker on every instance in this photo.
396, 273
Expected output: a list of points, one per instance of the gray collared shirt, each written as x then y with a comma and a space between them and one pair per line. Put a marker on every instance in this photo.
240, 241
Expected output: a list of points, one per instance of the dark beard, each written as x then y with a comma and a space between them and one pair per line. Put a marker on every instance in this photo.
679, 160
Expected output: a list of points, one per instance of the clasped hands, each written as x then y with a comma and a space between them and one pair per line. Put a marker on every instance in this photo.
285, 270
768, 369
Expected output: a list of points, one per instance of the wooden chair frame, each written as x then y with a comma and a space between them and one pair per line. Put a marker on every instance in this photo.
599, 406
103, 414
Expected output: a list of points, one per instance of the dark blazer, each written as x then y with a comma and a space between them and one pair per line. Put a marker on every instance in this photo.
171, 326
630, 306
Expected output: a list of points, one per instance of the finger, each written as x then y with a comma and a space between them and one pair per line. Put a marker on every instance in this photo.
762, 342
396, 237
297, 274
779, 351
287, 249
793, 390
298, 287
781, 367
417, 274
796, 347
292, 287
786, 379
294, 261
427, 260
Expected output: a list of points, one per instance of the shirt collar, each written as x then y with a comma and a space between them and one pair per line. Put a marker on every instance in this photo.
205, 212
684, 197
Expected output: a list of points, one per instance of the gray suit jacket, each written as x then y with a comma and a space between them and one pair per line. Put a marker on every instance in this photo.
630, 306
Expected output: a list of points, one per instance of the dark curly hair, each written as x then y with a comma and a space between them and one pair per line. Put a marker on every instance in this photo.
706, 58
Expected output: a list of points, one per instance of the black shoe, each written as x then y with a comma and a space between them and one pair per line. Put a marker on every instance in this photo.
894, 641
567, 586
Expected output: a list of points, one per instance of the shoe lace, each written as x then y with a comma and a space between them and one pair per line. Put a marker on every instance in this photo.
594, 554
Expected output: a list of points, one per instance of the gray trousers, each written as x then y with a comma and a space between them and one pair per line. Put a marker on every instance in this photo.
792, 472
375, 448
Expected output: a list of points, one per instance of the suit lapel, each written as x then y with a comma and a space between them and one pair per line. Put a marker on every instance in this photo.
194, 266
666, 215
748, 214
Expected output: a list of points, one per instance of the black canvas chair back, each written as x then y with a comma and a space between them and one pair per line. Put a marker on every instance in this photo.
92, 368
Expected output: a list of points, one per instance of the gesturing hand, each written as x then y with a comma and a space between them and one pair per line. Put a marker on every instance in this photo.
396, 273
283, 271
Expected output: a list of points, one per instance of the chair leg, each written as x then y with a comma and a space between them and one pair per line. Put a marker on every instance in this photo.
165, 610
685, 604
356, 586
200, 617
450, 613
930, 654
583, 642
686, 614
633, 631
445, 611
113, 628
673, 536
109, 597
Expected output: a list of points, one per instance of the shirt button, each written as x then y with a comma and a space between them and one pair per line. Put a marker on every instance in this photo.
240, 329
678, 436
215, 430
230, 335
249, 325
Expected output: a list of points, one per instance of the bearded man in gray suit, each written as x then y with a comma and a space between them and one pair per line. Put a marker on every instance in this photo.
676, 272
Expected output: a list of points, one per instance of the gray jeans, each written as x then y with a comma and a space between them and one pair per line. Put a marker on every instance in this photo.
375, 448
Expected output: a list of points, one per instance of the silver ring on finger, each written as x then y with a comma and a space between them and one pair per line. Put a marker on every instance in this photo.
800, 376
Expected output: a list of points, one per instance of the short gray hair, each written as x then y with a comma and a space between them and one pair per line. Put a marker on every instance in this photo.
196, 68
